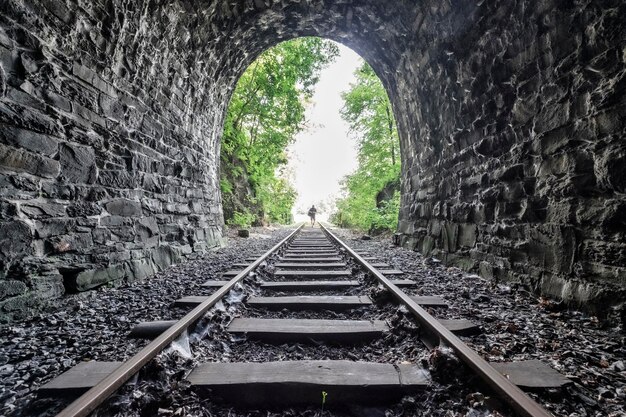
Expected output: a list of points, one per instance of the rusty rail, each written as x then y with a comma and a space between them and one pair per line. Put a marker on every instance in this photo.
515, 397
90, 400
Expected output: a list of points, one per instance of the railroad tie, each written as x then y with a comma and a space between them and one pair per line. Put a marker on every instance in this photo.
531, 374
403, 282
320, 265
391, 272
310, 246
308, 285
309, 273
315, 303
305, 254
429, 301
213, 284
307, 330
320, 259
301, 382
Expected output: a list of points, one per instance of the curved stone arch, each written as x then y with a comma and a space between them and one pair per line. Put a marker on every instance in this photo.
364, 28
510, 114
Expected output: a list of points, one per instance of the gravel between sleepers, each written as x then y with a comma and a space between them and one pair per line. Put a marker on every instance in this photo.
519, 325
516, 325
94, 325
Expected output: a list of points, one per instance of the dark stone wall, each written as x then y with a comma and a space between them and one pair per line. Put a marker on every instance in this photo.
510, 114
108, 139
516, 166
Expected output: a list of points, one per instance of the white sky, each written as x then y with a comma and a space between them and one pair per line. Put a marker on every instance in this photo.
323, 154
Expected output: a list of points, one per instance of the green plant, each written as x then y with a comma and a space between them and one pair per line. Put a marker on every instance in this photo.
367, 109
266, 111
226, 186
243, 220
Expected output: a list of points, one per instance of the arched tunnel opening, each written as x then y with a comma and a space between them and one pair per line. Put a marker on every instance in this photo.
310, 124
510, 117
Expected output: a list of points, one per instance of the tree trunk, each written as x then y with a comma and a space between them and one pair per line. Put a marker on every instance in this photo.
390, 122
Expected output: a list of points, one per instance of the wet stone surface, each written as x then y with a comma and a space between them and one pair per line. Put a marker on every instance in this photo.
515, 326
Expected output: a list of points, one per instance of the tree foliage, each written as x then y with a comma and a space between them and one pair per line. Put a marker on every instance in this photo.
372, 192
265, 113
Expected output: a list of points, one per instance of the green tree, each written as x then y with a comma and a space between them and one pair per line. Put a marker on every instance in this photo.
265, 113
368, 111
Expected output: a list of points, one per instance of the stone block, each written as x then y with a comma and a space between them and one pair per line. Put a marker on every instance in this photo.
116, 221
47, 287
604, 253
84, 209
554, 141
123, 233
513, 191
164, 256
120, 179
555, 165
462, 262
172, 232
467, 235
40, 209
449, 236
19, 160
11, 288
16, 238
86, 280
19, 306
58, 101
552, 247
78, 164
146, 227
124, 207
26, 183
32, 141
7, 209
101, 235
610, 169
76, 242
111, 107
140, 269
427, 245
552, 116
571, 291
176, 208
54, 227
486, 270
511, 173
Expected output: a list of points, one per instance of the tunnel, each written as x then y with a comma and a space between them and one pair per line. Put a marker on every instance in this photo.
511, 117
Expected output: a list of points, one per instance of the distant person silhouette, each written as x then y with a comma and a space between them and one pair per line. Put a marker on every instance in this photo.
312, 212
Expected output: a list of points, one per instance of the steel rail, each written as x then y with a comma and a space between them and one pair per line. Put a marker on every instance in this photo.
515, 397
90, 400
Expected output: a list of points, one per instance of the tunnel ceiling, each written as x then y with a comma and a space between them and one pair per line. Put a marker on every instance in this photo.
510, 115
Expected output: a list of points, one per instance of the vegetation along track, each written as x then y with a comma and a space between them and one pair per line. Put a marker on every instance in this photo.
312, 294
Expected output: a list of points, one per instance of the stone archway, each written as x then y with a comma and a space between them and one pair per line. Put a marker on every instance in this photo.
510, 117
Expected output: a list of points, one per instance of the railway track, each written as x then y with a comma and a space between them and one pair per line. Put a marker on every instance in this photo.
316, 291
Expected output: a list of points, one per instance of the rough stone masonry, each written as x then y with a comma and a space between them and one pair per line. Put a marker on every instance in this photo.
511, 118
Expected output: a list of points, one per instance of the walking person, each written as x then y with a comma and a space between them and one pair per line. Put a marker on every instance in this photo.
312, 212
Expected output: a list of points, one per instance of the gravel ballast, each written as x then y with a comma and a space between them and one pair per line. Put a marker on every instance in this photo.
515, 325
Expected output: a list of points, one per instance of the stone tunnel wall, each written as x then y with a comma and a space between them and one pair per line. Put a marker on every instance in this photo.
510, 115
523, 106
108, 164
